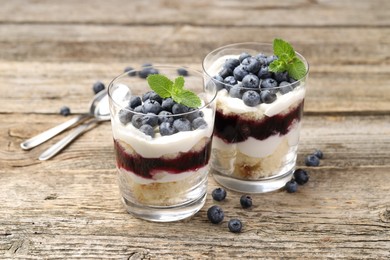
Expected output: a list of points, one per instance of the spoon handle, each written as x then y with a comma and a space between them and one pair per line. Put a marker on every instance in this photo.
43, 137
56, 148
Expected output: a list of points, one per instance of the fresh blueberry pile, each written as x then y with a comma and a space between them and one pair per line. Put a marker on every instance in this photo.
249, 78
314, 159
150, 114
301, 177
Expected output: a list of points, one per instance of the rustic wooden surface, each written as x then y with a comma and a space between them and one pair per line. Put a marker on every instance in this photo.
51, 52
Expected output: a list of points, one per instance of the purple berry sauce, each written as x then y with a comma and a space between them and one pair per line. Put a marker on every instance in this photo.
233, 128
145, 167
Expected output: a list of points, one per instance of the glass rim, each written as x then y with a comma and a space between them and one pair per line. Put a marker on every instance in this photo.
242, 44
139, 68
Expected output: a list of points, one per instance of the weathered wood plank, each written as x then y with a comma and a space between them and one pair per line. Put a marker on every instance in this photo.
200, 12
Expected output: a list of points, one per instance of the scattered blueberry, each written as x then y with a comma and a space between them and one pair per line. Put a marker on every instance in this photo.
246, 201
235, 225
135, 101
251, 65
243, 56
319, 154
144, 73
136, 121
231, 64
239, 72
218, 194
301, 176
312, 160
250, 81
147, 65
165, 116
182, 124
151, 106
251, 98
182, 72
266, 96
236, 91
130, 71
291, 186
225, 72
285, 87
125, 116
215, 214
179, 109
147, 129
264, 72
65, 111
98, 86
166, 128
150, 119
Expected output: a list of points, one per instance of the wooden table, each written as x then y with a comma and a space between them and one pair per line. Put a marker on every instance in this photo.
51, 52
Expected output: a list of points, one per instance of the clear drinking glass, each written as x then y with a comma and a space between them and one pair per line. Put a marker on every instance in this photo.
164, 177
254, 147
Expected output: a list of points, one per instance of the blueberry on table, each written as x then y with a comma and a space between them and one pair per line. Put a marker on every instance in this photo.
166, 128
319, 154
125, 116
291, 186
182, 124
151, 106
312, 160
267, 96
135, 101
130, 71
215, 214
182, 72
251, 65
147, 129
98, 86
243, 56
301, 176
239, 72
147, 65
250, 81
218, 194
144, 73
235, 225
65, 111
246, 201
251, 98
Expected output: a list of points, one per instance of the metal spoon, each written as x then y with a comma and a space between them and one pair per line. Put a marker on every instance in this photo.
48, 134
101, 112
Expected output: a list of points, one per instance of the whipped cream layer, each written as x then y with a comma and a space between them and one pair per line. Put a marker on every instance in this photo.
155, 147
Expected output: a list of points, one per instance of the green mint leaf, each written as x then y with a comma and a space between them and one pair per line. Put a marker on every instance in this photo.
189, 99
179, 82
296, 69
282, 47
277, 66
160, 84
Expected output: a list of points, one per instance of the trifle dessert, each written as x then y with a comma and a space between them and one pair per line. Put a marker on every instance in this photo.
162, 128
261, 90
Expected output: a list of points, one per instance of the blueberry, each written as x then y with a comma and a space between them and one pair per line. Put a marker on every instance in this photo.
65, 111
144, 73
262, 58
239, 72
179, 109
301, 176
218, 80
166, 128
182, 72
236, 91
269, 83
215, 214
98, 86
136, 120
285, 87
154, 96
246, 201
267, 96
312, 160
231, 64
130, 71
165, 116
146, 95
135, 101
250, 81
151, 106
271, 58
235, 225
138, 109
167, 104
294, 82
251, 98
264, 72
230, 80
243, 56
319, 154
194, 115
147, 129
225, 72
150, 119
182, 124
281, 76
291, 186
218, 194
251, 65
198, 123
125, 116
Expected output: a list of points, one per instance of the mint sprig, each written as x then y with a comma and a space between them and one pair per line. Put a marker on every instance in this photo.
166, 88
287, 60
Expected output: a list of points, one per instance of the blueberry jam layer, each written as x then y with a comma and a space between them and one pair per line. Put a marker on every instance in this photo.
145, 167
234, 128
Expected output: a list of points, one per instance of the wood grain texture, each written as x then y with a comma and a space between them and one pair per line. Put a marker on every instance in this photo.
51, 52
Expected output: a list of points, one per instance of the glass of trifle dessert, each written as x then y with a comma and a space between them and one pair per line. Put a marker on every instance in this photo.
261, 91
162, 125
